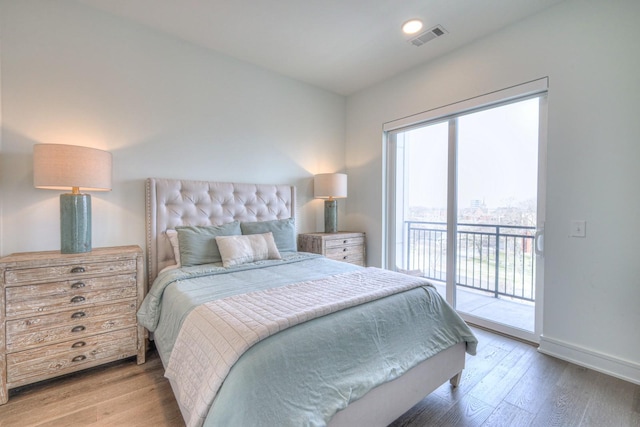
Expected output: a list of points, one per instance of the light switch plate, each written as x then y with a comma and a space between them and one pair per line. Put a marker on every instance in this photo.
578, 228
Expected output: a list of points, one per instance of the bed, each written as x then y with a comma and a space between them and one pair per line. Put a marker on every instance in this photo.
363, 362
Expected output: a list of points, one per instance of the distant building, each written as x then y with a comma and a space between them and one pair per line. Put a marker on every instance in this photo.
476, 204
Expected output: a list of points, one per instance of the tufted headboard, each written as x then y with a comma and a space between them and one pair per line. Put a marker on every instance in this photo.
174, 202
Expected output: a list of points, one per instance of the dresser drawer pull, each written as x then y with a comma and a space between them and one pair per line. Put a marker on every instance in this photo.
78, 329
77, 285
344, 250
344, 242
77, 299
79, 358
345, 257
78, 315
78, 344
77, 270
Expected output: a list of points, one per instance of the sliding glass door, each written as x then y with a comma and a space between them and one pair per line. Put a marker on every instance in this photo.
421, 193
465, 209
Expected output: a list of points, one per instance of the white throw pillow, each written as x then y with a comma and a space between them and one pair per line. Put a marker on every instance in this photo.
237, 250
175, 245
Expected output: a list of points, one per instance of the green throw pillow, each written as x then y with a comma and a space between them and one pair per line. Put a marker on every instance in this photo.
284, 232
198, 243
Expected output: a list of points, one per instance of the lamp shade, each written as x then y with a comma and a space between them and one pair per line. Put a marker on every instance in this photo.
330, 186
63, 167
70, 167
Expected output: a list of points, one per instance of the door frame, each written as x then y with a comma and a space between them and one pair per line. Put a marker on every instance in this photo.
536, 88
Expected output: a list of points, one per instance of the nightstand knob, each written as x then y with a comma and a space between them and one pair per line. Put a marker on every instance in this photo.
78, 315
78, 344
79, 358
78, 329
77, 299
77, 285
77, 270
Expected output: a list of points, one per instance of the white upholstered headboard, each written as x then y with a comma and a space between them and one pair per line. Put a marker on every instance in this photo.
175, 202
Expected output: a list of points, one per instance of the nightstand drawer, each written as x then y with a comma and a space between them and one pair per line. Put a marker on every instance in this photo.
68, 272
49, 297
345, 246
354, 258
73, 324
49, 361
332, 243
342, 252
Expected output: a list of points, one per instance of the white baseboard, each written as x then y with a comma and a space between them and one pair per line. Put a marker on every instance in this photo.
619, 368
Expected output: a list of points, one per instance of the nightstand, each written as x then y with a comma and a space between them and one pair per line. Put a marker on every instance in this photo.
61, 313
343, 246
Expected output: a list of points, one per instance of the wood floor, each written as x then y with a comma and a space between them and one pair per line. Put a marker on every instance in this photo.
507, 383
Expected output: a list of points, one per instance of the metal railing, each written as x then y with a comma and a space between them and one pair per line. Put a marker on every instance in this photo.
494, 258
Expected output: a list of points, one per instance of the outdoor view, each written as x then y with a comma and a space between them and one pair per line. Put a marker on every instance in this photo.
497, 153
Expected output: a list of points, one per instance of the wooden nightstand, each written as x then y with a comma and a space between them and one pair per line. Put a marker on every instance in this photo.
343, 246
64, 313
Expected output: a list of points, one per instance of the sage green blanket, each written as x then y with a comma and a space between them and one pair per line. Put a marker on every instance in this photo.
305, 374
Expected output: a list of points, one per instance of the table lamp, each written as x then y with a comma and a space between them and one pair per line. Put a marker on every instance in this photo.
330, 186
75, 168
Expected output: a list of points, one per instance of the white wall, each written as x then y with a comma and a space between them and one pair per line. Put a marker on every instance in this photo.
163, 107
589, 51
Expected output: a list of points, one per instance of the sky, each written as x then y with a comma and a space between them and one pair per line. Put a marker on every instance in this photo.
497, 158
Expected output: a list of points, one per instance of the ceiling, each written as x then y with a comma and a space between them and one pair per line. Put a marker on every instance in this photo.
339, 45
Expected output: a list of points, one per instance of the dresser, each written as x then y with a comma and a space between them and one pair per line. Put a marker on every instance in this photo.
61, 313
345, 246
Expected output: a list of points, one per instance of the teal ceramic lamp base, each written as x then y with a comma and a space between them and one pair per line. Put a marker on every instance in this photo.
330, 216
75, 223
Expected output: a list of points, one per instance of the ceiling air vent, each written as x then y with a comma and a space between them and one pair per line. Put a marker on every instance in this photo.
428, 35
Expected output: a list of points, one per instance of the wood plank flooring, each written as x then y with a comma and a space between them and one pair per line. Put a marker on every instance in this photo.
508, 383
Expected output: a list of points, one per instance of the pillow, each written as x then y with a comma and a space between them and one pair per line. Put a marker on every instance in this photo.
284, 232
237, 250
198, 245
173, 239
168, 268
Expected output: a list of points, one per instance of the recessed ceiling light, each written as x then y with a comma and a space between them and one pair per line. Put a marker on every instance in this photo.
412, 26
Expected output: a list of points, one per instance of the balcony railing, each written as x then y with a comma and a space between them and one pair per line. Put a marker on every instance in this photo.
497, 259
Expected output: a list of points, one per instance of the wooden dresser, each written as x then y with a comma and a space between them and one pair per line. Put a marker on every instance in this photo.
343, 246
63, 313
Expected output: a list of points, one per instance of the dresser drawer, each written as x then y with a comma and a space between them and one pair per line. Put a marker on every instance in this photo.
67, 272
49, 297
49, 361
61, 313
347, 241
73, 324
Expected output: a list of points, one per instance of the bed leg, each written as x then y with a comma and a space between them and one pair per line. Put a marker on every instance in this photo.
455, 380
